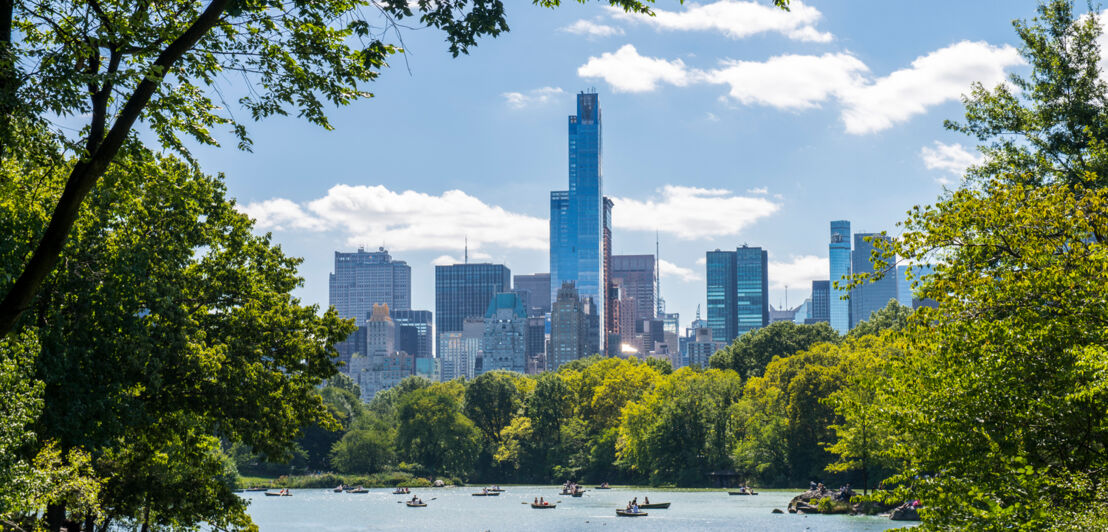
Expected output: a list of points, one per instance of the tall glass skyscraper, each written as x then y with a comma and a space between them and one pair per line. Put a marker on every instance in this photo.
839, 254
577, 215
720, 267
751, 289
738, 292
869, 297
820, 308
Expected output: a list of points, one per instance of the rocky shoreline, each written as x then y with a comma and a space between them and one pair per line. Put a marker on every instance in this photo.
824, 501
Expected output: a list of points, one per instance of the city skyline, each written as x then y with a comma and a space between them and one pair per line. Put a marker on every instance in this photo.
674, 155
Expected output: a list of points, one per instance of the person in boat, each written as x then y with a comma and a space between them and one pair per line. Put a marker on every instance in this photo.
485, 491
634, 508
646, 500
542, 501
285, 491
536, 500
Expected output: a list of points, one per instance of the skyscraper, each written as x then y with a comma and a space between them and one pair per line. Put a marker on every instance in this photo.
504, 345
904, 291
751, 288
720, 266
635, 274
414, 332
871, 296
538, 286
464, 291
577, 215
363, 278
738, 291
839, 255
611, 293
568, 328
821, 302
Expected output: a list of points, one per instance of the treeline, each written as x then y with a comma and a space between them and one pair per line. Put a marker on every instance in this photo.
765, 413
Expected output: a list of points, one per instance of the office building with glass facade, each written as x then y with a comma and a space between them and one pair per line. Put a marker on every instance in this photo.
720, 268
839, 258
738, 291
464, 291
537, 286
869, 297
820, 309
577, 215
414, 332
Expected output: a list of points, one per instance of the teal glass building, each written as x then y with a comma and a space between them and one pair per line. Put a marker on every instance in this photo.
738, 292
839, 254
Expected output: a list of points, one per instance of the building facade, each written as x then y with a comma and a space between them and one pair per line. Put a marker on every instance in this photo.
820, 309
460, 351
635, 275
701, 347
504, 344
413, 332
839, 258
720, 275
464, 290
871, 296
363, 278
577, 215
537, 285
568, 328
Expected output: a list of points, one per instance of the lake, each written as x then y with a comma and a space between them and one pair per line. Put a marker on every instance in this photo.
457, 509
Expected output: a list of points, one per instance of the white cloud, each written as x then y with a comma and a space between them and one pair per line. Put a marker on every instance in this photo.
950, 158
798, 82
701, 261
669, 269
627, 71
592, 29
445, 260
799, 272
711, 117
938, 77
406, 220
280, 214
736, 20
759, 190
541, 96
691, 213
790, 81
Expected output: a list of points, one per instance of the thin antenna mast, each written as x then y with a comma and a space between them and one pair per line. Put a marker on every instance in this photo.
467, 250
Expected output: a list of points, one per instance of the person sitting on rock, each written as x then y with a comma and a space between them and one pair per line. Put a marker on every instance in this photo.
811, 485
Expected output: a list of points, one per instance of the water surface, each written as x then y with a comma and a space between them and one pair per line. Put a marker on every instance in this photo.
457, 509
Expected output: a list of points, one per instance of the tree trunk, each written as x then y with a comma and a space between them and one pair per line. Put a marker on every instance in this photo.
55, 517
88, 171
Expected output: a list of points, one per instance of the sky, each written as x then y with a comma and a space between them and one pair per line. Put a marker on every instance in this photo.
725, 123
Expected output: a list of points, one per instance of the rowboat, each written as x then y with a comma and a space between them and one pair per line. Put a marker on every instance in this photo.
655, 505
415, 504
358, 490
489, 494
497, 490
399, 491
543, 506
271, 494
741, 493
625, 513
578, 493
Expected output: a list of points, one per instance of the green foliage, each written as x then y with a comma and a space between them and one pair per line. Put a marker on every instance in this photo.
363, 451
491, 400
893, 317
433, 431
751, 352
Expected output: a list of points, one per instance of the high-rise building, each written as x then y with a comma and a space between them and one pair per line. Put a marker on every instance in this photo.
577, 215
413, 332
568, 328
720, 267
460, 351
380, 366
701, 347
820, 308
751, 288
839, 255
611, 293
504, 345
635, 275
537, 286
738, 291
363, 278
464, 291
871, 296
536, 344
904, 293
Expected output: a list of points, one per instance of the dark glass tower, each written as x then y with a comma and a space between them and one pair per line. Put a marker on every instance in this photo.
576, 215
751, 289
839, 254
821, 302
869, 297
464, 291
721, 295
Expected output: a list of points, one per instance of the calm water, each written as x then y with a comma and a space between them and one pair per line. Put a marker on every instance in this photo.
457, 509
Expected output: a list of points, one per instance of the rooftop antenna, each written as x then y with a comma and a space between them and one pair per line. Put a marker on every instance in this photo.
467, 249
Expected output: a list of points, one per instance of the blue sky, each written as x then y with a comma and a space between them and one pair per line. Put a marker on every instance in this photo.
724, 123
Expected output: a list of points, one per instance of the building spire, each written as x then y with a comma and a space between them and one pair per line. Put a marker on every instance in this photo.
467, 250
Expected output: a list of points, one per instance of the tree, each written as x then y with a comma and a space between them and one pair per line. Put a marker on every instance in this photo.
893, 317
433, 432
160, 62
168, 324
491, 400
750, 352
1046, 127
363, 451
